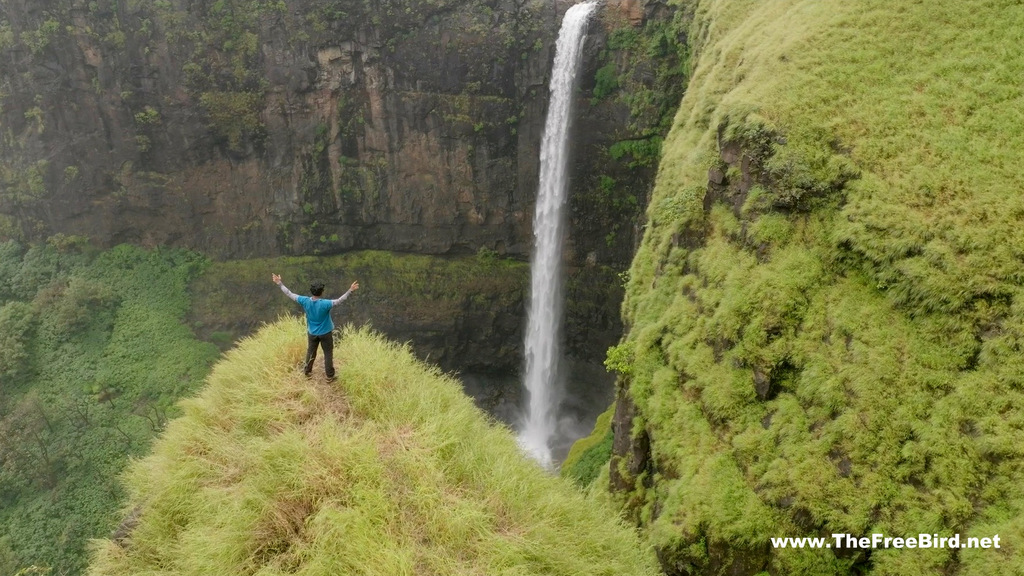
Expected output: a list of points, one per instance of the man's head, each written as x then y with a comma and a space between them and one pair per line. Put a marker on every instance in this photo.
316, 288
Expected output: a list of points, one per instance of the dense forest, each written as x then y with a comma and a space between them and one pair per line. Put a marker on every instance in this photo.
94, 354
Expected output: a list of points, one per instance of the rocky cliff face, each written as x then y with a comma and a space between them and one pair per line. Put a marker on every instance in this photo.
249, 127
245, 127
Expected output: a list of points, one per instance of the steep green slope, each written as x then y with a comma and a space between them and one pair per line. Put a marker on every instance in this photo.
827, 310
390, 471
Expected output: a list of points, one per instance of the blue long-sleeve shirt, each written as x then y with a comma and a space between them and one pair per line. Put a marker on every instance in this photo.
318, 310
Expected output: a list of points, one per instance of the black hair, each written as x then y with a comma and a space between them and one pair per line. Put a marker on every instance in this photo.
316, 288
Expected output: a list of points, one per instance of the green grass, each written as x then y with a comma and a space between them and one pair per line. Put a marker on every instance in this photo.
390, 471
870, 285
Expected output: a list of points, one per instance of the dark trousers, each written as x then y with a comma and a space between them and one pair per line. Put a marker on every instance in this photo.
325, 341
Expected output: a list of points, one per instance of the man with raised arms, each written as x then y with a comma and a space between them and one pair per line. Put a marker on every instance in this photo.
319, 325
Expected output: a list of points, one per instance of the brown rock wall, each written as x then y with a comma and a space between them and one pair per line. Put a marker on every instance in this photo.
347, 131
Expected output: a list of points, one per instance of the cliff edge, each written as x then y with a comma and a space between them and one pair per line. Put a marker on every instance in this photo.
391, 470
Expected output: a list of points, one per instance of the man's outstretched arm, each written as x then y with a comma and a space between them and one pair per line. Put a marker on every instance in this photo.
351, 289
277, 280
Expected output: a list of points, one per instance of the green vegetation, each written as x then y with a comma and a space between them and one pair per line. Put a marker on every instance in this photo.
237, 296
269, 472
147, 116
643, 71
234, 116
6, 34
642, 152
93, 353
646, 68
37, 40
24, 186
826, 310
606, 81
588, 455
223, 70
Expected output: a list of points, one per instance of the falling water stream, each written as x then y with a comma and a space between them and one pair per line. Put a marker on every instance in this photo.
544, 378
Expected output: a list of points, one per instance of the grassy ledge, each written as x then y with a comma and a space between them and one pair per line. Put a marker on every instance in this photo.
587, 455
390, 471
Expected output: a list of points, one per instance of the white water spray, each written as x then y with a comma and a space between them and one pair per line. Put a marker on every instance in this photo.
544, 325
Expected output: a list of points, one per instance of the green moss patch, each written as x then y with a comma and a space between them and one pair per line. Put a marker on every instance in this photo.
589, 454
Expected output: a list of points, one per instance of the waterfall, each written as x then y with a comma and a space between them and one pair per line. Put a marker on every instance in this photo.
544, 378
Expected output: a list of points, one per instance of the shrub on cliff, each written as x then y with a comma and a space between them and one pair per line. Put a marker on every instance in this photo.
390, 471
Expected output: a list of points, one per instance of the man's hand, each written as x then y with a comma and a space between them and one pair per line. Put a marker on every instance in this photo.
276, 278
355, 286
